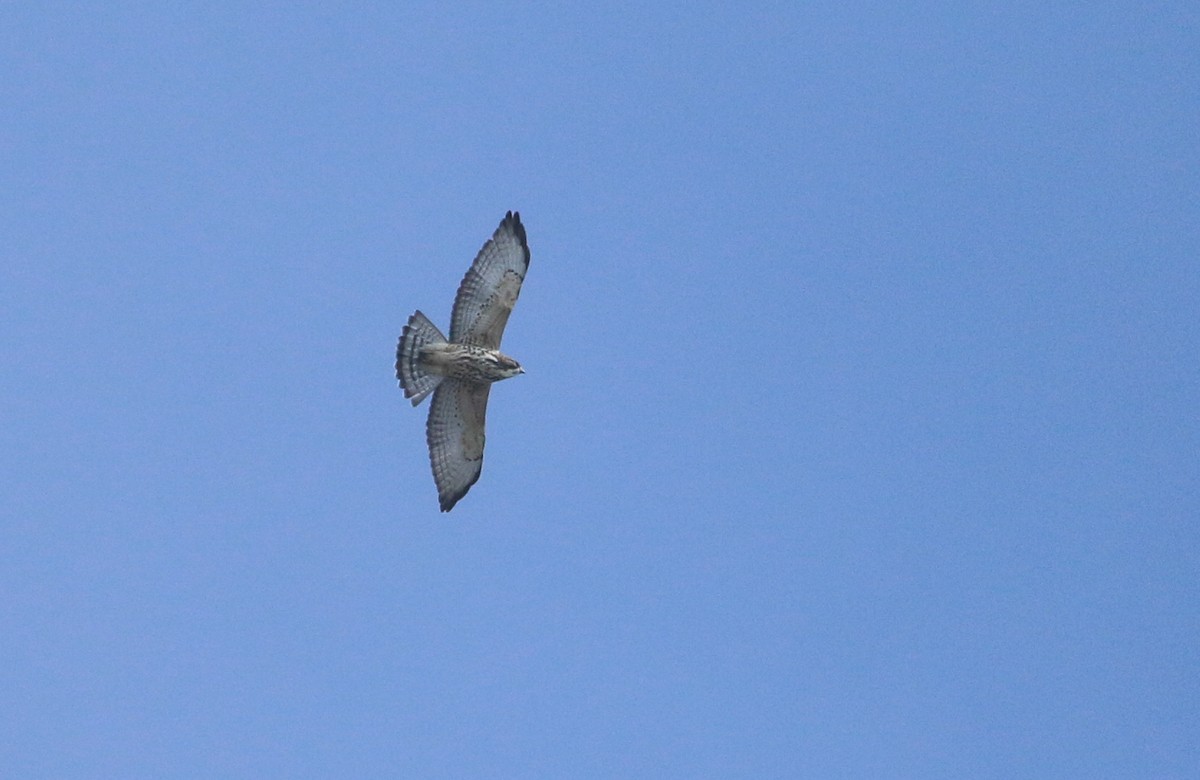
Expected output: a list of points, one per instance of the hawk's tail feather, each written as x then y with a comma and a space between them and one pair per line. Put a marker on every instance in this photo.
415, 380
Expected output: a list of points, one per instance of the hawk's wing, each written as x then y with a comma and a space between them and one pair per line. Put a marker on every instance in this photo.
455, 435
489, 290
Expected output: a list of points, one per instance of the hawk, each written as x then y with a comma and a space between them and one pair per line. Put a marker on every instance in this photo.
459, 371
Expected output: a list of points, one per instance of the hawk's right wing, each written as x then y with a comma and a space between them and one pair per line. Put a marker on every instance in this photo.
455, 435
489, 290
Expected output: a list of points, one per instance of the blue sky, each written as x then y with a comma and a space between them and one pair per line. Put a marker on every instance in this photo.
859, 435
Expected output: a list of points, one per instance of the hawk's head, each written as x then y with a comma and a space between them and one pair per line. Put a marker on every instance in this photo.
506, 367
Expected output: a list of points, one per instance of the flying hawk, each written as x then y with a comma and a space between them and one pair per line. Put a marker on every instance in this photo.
459, 371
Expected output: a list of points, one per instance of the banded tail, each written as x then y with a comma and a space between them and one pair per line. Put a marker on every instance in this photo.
416, 381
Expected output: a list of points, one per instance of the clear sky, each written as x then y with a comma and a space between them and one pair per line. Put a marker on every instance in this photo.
859, 436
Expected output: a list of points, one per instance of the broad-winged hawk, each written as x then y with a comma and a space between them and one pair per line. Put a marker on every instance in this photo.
459, 371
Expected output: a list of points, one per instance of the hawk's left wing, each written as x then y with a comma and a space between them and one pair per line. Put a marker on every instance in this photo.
489, 290
455, 436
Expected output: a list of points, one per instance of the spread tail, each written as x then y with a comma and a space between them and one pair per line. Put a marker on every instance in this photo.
415, 380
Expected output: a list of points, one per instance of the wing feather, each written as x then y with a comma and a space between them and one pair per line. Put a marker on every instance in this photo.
455, 435
489, 290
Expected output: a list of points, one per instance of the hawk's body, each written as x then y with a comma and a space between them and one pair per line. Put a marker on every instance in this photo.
459, 371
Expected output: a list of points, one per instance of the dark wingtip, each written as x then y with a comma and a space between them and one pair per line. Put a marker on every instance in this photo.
447, 502
513, 223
